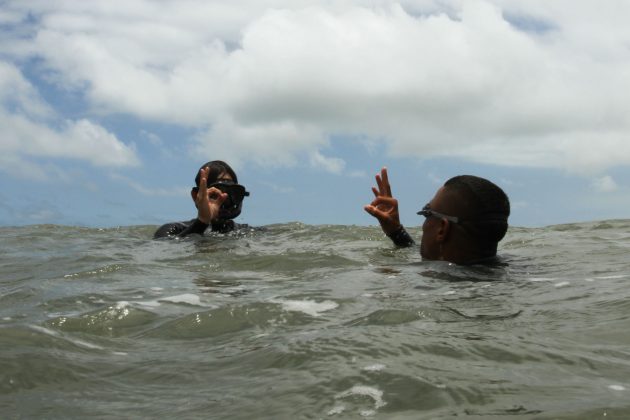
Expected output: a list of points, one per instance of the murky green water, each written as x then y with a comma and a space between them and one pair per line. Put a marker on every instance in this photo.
312, 322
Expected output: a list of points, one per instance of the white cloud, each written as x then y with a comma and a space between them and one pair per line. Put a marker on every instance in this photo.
9, 17
152, 138
81, 139
153, 192
357, 174
605, 184
537, 83
17, 93
268, 144
28, 131
329, 164
277, 188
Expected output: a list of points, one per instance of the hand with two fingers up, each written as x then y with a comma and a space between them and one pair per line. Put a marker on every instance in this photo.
384, 206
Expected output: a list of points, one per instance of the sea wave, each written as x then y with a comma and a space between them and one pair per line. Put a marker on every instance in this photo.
299, 321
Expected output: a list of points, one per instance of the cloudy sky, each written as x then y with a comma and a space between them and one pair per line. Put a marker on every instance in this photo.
108, 108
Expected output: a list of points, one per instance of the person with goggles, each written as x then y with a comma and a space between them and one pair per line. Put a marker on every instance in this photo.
218, 198
464, 221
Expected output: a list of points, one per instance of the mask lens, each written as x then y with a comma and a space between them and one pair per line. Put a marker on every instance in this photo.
237, 192
231, 207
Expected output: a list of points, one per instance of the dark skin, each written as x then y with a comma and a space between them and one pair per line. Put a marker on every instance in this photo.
384, 206
441, 238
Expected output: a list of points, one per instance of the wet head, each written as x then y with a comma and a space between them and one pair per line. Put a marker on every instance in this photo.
465, 220
222, 177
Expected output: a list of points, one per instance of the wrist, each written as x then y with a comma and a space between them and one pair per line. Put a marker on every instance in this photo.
400, 237
392, 229
392, 232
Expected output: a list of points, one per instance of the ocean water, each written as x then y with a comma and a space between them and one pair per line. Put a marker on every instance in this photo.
312, 322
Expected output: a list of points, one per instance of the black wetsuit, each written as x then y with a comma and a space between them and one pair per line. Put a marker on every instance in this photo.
181, 229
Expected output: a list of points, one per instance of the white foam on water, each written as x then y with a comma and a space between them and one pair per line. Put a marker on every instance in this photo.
157, 289
188, 298
63, 314
618, 276
338, 409
562, 284
367, 413
375, 367
617, 387
151, 303
120, 310
543, 279
85, 344
450, 292
78, 343
309, 307
367, 391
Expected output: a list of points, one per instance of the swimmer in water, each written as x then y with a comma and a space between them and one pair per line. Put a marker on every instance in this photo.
465, 220
218, 198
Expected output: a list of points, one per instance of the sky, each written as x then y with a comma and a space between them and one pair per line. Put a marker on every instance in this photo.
108, 108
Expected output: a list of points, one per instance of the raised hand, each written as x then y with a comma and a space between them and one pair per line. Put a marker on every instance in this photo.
384, 207
208, 200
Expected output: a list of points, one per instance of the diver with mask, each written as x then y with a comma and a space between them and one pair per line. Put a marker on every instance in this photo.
218, 197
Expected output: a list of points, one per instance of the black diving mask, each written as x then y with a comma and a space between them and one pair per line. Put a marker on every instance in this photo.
231, 207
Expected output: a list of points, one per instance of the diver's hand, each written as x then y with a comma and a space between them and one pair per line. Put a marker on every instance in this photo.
209, 200
384, 207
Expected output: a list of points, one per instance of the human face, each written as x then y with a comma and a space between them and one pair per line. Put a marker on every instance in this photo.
224, 176
236, 193
427, 211
430, 244
231, 207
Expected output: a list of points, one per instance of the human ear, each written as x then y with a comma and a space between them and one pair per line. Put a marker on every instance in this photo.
443, 230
